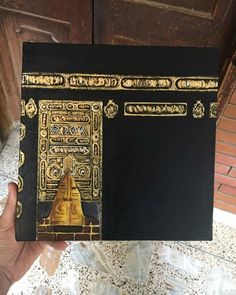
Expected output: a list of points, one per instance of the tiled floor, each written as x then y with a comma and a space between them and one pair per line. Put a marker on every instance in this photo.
175, 268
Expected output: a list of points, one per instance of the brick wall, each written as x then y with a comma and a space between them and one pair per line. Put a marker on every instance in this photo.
89, 232
225, 166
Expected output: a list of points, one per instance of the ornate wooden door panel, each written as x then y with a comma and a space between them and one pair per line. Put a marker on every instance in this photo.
22, 21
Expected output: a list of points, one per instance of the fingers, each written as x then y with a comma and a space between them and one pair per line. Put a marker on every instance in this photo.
58, 245
8, 216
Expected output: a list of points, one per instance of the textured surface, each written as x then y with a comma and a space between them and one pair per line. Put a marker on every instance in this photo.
156, 283
217, 257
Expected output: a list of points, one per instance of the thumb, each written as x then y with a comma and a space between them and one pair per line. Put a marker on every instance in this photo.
8, 216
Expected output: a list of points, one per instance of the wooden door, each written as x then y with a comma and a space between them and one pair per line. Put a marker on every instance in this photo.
166, 22
185, 23
34, 21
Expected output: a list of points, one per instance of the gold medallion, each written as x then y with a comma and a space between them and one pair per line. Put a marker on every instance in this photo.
198, 110
22, 131
111, 109
213, 110
20, 184
31, 108
21, 158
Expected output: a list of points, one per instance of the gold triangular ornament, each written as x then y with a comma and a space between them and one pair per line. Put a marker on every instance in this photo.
67, 209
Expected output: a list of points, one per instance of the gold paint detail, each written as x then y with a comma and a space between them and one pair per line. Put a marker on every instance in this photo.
20, 184
21, 159
22, 107
70, 139
198, 110
22, 131
167, 109
67, 209
146, 83
92, 81
19, 209
42, 79
201, 83
118, 82
213, 110
31, 108
111, 109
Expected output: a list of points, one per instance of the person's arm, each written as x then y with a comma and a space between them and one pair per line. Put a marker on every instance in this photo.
4, 283
16, 257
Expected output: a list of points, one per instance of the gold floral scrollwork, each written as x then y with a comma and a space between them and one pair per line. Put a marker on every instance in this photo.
20, 184
22, 107
18, 209
31, 108
213, 110
198, 110
21, 158
111, 109
22, 131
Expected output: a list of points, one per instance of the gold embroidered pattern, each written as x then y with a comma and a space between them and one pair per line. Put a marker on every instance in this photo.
198, 110
31, 108
155, 109
21, 158
22, 131
202, 83
111, 109
213, 110
117, 82
146, 83
18, 209
22, 107
43, 79
20, 184
70, 137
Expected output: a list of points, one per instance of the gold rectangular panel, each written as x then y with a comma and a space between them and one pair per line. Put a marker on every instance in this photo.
167, 109
70, 138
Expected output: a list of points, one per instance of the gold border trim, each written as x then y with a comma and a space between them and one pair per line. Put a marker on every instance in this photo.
118, 82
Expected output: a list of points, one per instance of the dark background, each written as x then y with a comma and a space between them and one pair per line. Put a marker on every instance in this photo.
157, 171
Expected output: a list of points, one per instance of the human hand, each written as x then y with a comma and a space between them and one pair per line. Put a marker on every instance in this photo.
16, 257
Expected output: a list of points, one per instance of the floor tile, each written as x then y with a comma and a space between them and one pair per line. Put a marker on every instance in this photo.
9, 161
196, 283
222, 245
156, 279
224, 217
